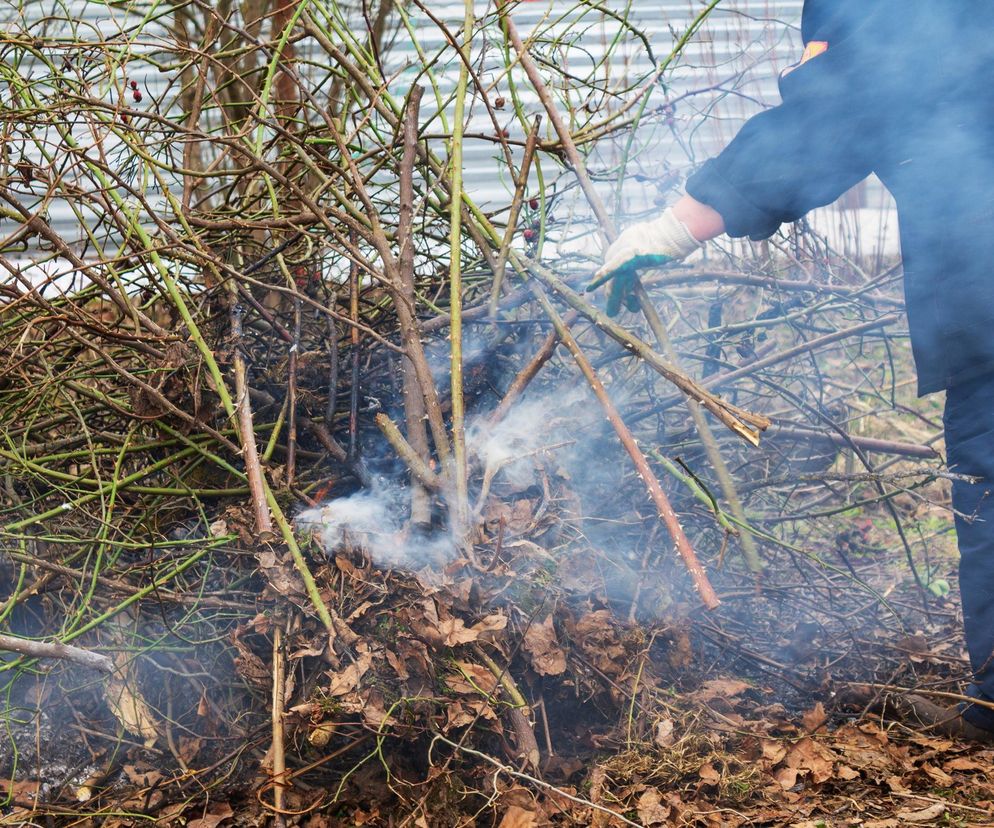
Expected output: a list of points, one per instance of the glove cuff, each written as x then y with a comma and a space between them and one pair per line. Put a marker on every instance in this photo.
672, 233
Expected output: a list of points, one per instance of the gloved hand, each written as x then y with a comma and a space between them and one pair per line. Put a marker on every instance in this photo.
647, 244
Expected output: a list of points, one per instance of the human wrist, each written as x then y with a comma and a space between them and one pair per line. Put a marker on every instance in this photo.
701, 221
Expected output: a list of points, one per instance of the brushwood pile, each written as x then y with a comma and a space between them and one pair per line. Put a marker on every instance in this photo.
308, 444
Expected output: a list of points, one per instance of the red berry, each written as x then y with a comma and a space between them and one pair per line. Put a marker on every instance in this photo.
134, 84
529, 234
137, 96
533, 203
499, 103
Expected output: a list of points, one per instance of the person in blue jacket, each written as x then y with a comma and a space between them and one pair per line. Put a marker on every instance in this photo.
903, 89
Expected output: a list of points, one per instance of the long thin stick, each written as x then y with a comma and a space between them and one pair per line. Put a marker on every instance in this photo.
666, 513
291, 397
749, 549
415, 463
250, 451
66, 652
744, 423
717, 381
459, 469
569, 146
414, 398
512, 217
279, 747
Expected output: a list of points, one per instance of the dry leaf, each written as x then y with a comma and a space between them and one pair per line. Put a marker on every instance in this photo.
454, 631
964, 763
786, 778
708, 774
929, 814
344, 681
398, 665
188, 747
808, 757
515, 817
472, 679
215, 817
547, 658
130, 709
721, 689
490, 624
896, 784
248, 665
664, 737
773, 752
145, 778
938, 775
814, 718
321, 734
651, 809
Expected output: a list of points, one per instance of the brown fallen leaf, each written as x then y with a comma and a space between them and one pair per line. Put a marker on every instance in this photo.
808, 757
218, 814
773, 752
454, 631
965, 763
814, 718
142, 776
651, 809
709, 775
515, 817
247, 664
929, 814
664, 736
467, 711
472, 679
786, 778
896, 784
130, 708
846, 774
188, 747
485, 627
547, 658
346, 680
721, 689
938, 775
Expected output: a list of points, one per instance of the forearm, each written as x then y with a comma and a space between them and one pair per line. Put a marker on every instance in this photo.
703, 222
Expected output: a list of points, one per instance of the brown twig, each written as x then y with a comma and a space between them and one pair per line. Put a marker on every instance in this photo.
250, 451
66, 652
278, 746
520, 187
744, 423
414, 398
666, 513
415, 464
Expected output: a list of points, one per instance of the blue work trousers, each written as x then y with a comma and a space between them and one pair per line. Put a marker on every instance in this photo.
969, 422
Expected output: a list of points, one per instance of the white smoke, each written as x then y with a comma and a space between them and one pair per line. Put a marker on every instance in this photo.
376, 519
510, 453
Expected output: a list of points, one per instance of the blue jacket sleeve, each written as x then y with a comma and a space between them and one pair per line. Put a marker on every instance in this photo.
815, 145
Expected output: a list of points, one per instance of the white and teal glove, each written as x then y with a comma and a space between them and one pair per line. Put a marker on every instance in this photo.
643, 245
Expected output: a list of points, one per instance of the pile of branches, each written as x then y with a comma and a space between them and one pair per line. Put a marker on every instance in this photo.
335, 475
